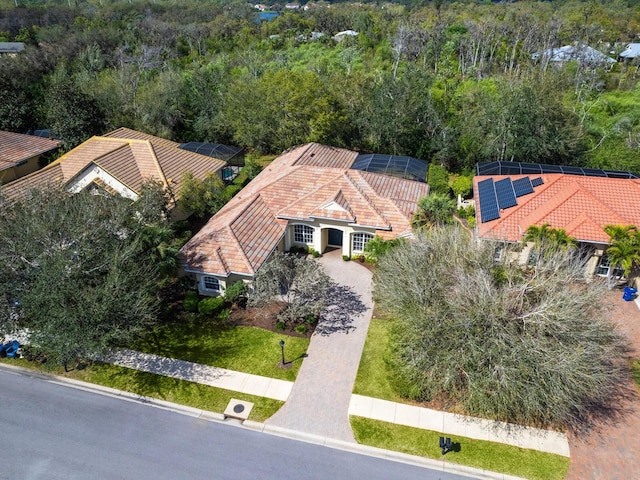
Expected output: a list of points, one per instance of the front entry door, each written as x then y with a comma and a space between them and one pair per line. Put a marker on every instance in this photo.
335, 237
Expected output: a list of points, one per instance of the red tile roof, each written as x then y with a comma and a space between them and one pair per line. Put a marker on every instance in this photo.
582, 206
129, 156
16, 148
302, 184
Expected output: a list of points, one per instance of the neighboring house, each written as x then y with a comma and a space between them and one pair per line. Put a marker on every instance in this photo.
338, 37
632, 51
20, 154
292, 6
11, 48
511, 197
580, 53
119, 162
311, 196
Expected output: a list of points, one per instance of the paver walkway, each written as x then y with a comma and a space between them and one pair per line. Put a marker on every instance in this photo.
319, 401
610, 450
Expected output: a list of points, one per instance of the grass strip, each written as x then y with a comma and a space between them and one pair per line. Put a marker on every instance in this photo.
157, 386
243, 349
474, 453
374, 373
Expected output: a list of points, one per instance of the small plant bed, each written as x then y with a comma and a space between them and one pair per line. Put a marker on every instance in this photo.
474, 453
157, 386
266, 318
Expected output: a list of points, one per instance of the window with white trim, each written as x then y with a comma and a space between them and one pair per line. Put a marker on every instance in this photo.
605, 265
211, 283
360, 241
302, 234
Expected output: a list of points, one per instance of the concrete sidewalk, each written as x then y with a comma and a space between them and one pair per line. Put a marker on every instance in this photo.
203, 374
368, 407
460, 425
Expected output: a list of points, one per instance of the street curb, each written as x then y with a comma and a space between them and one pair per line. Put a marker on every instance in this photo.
206, 415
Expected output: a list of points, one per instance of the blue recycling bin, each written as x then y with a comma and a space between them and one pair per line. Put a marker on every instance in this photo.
629, 294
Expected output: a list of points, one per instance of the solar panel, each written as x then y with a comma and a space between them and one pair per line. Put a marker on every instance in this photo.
505, 194
523, 186
536, 182
488, 201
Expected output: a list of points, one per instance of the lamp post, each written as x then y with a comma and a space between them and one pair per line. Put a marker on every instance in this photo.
282, 348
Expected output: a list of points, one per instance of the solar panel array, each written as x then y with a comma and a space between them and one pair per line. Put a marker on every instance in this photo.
496, 196
519, 168
397, 166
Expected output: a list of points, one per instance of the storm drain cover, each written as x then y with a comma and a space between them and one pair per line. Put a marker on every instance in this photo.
238, 409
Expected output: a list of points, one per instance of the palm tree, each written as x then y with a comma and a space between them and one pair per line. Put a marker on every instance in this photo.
624, 254
620, 232
548, 240
434, 210
624, 251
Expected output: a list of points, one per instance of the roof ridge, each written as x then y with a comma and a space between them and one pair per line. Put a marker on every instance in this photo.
308, 147
257, 197
364, 194
222, 260
322, 185
241, 249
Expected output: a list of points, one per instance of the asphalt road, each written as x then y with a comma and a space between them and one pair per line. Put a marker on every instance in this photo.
52, 431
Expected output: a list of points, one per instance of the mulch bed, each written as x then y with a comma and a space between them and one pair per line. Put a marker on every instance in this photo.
265, 318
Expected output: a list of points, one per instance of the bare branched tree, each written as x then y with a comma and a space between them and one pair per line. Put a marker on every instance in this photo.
497, 339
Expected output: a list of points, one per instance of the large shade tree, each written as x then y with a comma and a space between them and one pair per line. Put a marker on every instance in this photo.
497, 340
78, 271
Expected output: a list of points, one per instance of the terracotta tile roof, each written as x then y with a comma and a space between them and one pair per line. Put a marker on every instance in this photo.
582, 206
296, 185
16, 148
131, 161
324, 156
129, 134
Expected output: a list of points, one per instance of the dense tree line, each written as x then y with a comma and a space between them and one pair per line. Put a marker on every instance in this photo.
454, 83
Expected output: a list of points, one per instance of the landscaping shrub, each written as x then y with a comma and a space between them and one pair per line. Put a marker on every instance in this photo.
498, 340
235, 292
346, 258
301, 329
210, 306
191, 301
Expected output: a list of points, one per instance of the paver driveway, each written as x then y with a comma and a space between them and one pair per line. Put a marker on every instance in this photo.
319, 401
610, 450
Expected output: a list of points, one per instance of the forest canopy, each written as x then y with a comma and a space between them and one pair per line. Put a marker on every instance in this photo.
455, 83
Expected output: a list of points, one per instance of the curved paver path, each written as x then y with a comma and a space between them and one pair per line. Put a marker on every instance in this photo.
319, 401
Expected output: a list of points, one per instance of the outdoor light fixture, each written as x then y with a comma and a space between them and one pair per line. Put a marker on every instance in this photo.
282, 348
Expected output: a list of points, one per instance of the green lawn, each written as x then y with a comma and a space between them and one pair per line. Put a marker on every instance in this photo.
635, 371
157, 386
474, 453
374, 373
244, 349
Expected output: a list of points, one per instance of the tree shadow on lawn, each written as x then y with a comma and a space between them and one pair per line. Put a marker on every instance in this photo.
185, 341
342, 305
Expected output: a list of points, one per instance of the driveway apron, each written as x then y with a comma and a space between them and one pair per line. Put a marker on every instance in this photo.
319, 401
